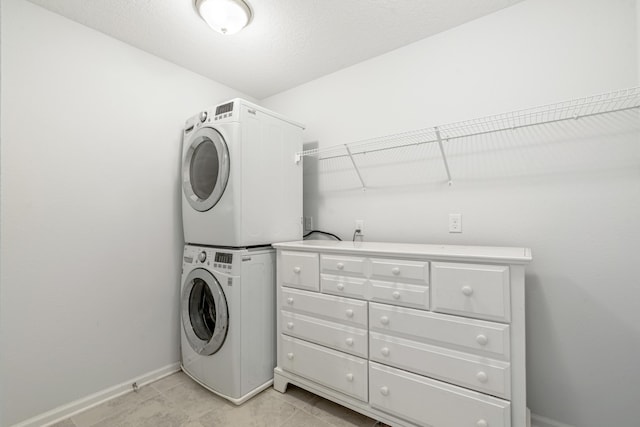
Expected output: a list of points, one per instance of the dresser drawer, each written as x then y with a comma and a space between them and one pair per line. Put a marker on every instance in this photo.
300, 270
341, 265
339, 309
335, 335
400, 294
487, 339
425, 401
344, 286
463, 369
399, 270
472, 290
339, 371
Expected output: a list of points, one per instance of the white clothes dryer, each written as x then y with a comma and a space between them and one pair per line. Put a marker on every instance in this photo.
241, 183
228, 319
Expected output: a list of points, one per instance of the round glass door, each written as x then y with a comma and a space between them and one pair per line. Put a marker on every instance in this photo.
205, 316
205, 170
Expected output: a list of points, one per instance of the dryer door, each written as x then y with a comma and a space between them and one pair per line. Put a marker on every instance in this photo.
205, 169
205, 316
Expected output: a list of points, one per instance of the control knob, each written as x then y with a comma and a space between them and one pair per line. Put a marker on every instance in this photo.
202, 256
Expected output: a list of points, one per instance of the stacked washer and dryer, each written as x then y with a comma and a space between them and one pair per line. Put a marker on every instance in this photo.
241, 191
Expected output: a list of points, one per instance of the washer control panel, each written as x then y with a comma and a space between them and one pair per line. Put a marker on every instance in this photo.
219, 259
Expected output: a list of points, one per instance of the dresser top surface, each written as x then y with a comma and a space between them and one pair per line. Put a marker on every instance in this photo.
450, 252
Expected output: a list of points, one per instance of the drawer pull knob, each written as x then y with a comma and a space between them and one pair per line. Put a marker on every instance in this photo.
482, 377
384, 320
385, 351
467, 290
290, 325
384, 391
340, 287
349, 312
482, 423
482, 339
349, 341
395, 295
350, 377
395, 270
290, 356
289, 300
297, 270
340, 266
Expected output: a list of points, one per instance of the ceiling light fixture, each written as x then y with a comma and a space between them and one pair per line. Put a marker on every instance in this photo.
224, 16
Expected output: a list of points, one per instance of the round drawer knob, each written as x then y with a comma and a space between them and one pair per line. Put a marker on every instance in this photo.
384, 320
349, 341
482, 339
395, 295
395, 270
482, 377
290, 356
349, 312
340, 286
290, 325
482, 423
384, 391
350, 377
289, 300
340, 266
297, 270
385, 351
467, 290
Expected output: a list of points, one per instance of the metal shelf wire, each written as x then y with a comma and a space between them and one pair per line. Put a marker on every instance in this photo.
606, 103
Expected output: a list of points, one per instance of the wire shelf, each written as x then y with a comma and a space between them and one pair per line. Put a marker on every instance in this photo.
611, 102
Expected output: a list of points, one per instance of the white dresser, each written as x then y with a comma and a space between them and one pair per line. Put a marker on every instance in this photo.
408, 334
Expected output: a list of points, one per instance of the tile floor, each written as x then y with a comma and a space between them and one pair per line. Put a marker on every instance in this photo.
177, 401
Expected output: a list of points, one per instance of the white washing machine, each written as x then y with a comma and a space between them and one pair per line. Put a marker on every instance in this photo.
241, 184
228, 319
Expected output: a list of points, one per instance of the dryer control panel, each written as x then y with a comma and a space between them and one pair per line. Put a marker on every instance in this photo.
223, 257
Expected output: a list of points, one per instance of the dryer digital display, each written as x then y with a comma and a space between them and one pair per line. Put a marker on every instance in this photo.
224, 257
225, 108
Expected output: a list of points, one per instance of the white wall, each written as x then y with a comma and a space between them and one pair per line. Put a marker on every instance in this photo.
91, 225
569, 192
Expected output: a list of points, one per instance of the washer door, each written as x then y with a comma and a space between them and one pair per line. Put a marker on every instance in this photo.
205, 169
205, 316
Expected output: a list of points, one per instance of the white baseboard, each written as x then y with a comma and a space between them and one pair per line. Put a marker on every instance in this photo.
540, 421
77, 406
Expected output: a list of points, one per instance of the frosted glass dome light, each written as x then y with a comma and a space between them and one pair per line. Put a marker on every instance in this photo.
224, 16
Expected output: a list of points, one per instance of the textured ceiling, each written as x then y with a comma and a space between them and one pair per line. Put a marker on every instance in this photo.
288, 42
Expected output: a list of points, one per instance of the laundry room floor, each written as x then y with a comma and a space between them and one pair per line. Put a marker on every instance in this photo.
177, 401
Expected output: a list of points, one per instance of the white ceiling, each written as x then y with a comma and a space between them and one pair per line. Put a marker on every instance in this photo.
288, 42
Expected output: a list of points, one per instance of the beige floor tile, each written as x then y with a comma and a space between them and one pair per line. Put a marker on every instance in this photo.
194, 399
113, 407
302, 418
296, 396
155, 412
338, 415
264, 410
64, 423
170, 381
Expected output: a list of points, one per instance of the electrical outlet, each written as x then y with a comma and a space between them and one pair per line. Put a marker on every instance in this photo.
360, 226
455, 223
308, 223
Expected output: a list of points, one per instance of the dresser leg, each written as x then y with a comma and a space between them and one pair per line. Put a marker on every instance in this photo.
280, 383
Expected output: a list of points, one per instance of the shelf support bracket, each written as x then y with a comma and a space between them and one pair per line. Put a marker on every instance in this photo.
444, 156
364, 187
